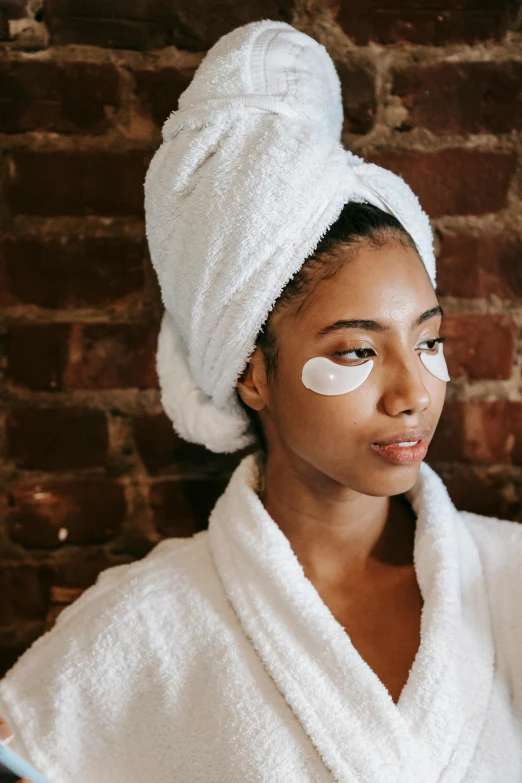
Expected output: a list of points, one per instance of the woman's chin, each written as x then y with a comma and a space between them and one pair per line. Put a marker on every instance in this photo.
390, 480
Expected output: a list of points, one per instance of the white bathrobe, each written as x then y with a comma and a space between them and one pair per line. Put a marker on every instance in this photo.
215, 659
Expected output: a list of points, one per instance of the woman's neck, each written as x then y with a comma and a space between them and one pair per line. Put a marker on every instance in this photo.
335, 532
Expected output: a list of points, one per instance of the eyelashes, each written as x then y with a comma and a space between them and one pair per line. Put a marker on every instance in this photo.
352, 350
436, 363
323, 376
434, 340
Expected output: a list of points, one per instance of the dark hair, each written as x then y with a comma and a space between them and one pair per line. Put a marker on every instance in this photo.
359, 224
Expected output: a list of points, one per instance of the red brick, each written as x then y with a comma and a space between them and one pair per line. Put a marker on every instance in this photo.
358, 94
476, 431
198, 24
57, 438
70, 271
480, 492
464, 98
25, 592
132, 543
37, 355
12, 648
56, 608
65, 97
158, 91
419, 22
193, 25
479, 347
90, 512
181, 508
453, 181
163, 451
473, 266
11, 9
65, 595
4, 502
112, 356
82, 570
77, 183
131, 25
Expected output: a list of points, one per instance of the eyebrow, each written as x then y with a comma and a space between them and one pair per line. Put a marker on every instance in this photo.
374, 326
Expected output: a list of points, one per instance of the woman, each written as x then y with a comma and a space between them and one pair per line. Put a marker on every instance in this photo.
340, 619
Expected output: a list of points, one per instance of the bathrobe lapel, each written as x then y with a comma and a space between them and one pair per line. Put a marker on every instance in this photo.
346, 711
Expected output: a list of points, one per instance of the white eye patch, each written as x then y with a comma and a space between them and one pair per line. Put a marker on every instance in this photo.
326, 377
436, 364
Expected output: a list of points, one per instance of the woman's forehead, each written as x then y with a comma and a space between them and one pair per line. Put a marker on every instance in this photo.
388, 284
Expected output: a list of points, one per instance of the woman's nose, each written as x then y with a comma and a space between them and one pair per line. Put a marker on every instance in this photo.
405, 390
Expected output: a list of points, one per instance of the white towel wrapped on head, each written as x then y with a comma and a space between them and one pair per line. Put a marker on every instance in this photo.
249, 177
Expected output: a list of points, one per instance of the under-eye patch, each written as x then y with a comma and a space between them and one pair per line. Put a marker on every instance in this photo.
326, 377
436, 363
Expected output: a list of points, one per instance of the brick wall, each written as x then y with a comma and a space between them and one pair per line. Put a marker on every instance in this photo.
91, 473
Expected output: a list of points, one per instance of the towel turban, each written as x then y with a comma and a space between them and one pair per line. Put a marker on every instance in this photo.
250, 175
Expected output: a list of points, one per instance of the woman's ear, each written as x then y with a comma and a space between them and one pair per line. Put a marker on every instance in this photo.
251, 385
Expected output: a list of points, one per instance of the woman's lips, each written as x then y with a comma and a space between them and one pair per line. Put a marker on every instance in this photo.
402, 455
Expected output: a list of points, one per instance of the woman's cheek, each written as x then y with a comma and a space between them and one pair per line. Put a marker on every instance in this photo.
437, 392
327, 414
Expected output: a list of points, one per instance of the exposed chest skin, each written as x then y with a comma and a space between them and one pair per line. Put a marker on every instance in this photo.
380, 607
382, 616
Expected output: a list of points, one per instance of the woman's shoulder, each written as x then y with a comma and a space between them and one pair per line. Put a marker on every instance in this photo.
133, 600
108, 650
172, 558
176, 567
499, 544
499, 547
493, 531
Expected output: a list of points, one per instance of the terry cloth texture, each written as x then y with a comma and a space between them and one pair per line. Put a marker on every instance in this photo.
215, 660
250, 175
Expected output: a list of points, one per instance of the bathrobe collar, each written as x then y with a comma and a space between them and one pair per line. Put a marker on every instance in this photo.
360, 733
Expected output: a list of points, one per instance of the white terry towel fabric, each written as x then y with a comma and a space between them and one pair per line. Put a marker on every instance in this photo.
250, 175
214, 659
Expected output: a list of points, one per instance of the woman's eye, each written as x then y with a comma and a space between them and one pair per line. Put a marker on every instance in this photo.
433, 343
360, 353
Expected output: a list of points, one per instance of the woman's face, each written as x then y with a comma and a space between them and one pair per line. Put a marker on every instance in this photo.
334, 433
